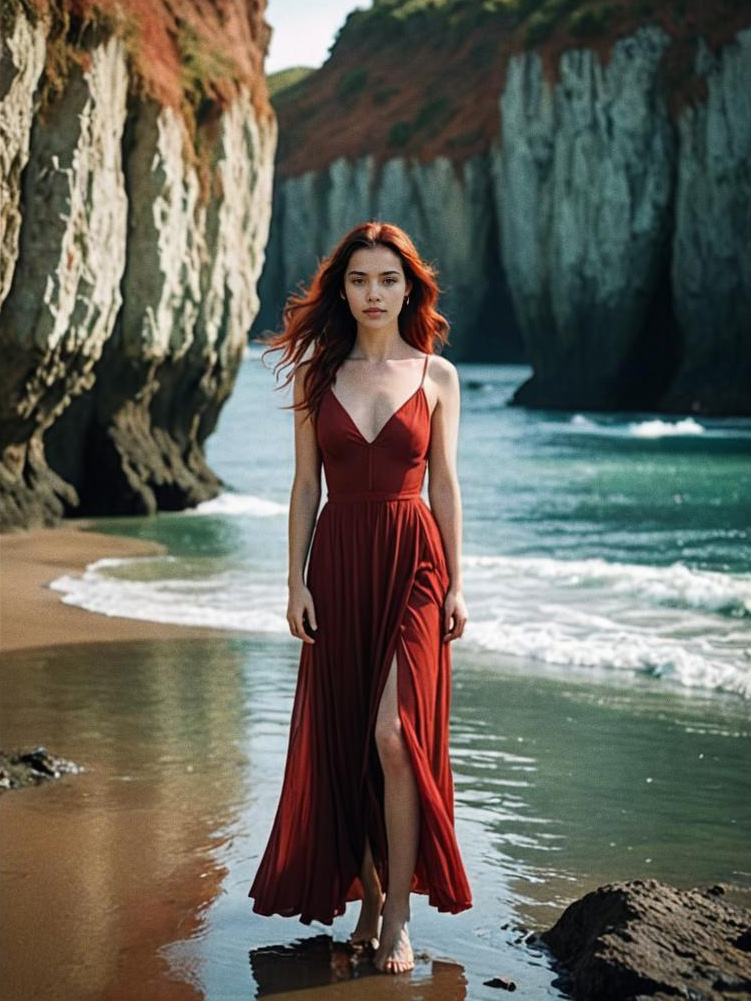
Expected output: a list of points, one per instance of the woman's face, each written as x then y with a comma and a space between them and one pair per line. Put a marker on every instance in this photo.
375, 285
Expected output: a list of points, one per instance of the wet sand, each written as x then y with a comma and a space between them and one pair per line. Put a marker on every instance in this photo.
103, 869
130, 880
32, 615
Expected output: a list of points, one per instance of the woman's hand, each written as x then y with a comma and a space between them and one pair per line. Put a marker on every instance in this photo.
454, 606
299, 610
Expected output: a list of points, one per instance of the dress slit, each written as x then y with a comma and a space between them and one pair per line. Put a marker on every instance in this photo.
372, 771
371, 776
437, 855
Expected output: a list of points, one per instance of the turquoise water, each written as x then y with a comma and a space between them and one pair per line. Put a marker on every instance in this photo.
609, 543
600, 718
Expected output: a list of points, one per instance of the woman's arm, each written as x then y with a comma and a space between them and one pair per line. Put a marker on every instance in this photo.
305, 497
443, 487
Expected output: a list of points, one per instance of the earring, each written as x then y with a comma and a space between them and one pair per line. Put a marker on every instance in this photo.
406, 299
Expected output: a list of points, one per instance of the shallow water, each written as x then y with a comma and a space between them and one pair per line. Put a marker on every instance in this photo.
130, 879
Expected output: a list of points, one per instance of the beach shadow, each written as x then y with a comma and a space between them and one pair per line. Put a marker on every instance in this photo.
320, 967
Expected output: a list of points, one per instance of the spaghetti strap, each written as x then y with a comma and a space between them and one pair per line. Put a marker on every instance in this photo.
424, 370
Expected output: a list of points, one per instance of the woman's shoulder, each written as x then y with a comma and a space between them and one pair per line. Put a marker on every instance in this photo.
301, 367
442, 371
299, 374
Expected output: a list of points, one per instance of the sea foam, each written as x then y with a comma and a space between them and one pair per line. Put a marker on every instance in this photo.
676, 585
234, 505
676, 624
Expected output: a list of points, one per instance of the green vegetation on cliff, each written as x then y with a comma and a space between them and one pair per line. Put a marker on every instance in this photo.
279, 82
445, 22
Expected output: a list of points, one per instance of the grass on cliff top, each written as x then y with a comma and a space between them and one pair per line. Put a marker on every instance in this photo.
279, 82
448, 21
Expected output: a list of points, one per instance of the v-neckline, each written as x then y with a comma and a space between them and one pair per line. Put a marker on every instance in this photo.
398, 410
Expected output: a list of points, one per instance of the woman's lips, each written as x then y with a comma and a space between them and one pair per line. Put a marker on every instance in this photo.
374, 311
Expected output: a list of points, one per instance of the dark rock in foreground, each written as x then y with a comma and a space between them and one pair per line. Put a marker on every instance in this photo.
24, 768
648, 939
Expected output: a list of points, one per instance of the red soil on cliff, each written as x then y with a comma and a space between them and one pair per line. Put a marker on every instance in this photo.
423, 99
179, 50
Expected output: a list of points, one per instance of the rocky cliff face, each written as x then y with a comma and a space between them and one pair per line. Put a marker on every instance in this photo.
584, 188
135, 218
586, 198
711, 261
625, 237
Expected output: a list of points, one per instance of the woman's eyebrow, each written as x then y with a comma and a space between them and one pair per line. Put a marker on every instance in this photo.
365, 272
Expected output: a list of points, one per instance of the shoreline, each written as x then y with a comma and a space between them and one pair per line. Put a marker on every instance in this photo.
32, 615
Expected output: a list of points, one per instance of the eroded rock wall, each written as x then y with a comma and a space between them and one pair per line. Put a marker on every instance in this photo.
132, 291
711, 260
65, 292
21, 62
584, 197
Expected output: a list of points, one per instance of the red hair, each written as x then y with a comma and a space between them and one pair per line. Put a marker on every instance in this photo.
322, 318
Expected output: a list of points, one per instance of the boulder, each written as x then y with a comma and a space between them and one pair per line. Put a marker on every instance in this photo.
648, 939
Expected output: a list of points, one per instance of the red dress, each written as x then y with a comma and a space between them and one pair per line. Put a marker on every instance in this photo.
378, 576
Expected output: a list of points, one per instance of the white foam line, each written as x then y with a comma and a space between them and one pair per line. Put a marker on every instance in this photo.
239, 505
674, 585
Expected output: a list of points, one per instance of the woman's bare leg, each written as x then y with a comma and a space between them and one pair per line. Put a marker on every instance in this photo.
402, 815
367, 928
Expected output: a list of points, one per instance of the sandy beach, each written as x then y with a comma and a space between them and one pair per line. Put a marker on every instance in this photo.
33, 615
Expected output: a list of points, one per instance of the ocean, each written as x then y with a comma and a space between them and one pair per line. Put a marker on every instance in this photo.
596, 542
600, 722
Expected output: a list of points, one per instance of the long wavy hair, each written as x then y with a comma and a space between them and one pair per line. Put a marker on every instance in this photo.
318, 317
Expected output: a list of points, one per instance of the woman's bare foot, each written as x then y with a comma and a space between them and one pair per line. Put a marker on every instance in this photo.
366, 930
394, 953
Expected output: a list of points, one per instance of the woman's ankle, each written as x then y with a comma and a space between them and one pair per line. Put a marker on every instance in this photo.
398, 909
372, 895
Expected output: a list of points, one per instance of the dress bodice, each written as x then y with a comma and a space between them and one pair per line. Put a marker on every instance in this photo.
391, 466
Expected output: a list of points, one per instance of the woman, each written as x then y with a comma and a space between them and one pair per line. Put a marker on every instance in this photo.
367, 796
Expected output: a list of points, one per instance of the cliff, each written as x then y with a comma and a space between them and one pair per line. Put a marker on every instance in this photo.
136, 156
580, 172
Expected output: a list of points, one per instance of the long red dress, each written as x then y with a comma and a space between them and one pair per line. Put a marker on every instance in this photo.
378, 577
